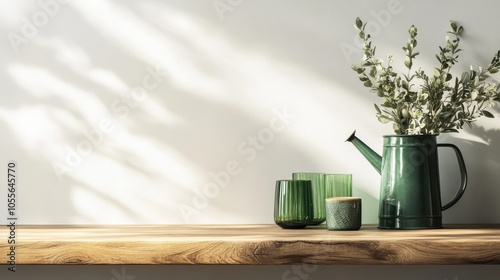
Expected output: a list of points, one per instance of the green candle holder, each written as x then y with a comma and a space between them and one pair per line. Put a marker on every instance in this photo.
293, 205
318, 194
338, 185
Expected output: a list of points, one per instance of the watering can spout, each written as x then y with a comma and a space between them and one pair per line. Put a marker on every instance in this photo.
372, 157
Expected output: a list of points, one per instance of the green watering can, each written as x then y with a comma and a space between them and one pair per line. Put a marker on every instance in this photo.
410, 195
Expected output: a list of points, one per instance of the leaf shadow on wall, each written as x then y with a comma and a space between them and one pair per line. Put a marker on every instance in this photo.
159, 153
479, 203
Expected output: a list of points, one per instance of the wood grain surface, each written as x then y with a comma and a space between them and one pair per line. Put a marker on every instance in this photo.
251, 244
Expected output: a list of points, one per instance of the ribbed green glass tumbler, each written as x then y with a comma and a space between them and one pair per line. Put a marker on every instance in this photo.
293, 204
338, 185
318, 194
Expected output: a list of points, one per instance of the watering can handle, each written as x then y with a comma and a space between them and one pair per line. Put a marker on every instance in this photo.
463, 177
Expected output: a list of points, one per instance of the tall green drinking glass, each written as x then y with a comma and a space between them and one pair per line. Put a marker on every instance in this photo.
338, 185
293, 204
318, 194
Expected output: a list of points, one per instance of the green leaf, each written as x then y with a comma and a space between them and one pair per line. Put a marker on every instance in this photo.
465, 77
473, 95
377, 108
408, 62
363, 78
384, 119
404, 85
405, 114
437, 72
453, 25
488, 114
413, 31
359, 23
438, 58
358, 69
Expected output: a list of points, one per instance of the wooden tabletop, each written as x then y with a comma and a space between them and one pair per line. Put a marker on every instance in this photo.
251, 244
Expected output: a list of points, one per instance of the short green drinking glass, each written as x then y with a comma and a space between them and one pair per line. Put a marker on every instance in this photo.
318, 194
338, 185
293, 204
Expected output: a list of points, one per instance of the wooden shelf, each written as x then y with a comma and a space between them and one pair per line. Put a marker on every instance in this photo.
251, 244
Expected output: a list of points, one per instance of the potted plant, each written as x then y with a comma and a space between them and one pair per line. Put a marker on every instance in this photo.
417, 102
421, 105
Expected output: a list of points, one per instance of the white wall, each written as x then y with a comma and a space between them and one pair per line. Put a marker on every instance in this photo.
225, 77
219, 81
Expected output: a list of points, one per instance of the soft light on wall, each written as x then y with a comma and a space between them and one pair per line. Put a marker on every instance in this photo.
173, 112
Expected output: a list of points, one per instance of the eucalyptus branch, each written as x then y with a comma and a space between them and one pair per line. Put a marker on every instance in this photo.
442, 103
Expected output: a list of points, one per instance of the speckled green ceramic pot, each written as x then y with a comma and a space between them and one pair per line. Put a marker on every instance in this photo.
343, 213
